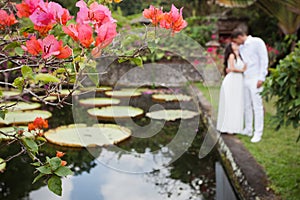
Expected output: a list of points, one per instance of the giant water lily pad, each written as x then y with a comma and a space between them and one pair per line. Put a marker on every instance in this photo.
48, 98
18, 117
123, 93
65, 92
99, 102
115, 112
171, 97
96, 89
14, 106
82, 136
11, 131
2, 165
172, 115
8, 94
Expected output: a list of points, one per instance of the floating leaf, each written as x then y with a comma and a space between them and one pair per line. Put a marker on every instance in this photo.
171, 97
98, 135
65, 92
2, 165
123, 93
115, 112
12, 131
97, 89
54, 185
172, 115
8, 94
18, 117
46, 78
99, 102
14, 106
48, 98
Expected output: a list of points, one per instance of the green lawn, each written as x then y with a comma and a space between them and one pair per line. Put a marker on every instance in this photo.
278, 152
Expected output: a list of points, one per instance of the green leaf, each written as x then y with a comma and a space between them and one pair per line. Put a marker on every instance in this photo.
93, 75
2, 113
55, 162
19, 51
19, 83
41, 139
38, 177
46, 169
12, 45
46, 78
63, 171
54, 185
27, 72
2, 165
30, 144
137, 61
37, 164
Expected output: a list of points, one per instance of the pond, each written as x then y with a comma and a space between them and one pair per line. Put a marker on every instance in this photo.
109, 174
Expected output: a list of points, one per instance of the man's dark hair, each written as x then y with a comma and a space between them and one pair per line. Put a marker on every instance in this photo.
237, 33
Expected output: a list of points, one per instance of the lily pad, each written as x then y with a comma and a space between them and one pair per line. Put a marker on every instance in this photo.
20, 106
96, 89
115, 112
2, 165
97, 135
11, 131
171, 97
172, 115
48, 98
99, 102
65, 92
123, 93
8, 94
18, 117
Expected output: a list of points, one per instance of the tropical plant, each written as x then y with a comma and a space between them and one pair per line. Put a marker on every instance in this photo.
283, 85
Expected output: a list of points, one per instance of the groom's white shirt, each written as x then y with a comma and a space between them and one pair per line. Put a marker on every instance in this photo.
255, 55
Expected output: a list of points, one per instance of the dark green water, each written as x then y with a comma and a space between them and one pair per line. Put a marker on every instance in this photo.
101, 176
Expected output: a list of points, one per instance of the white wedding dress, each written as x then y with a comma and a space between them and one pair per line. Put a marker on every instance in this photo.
231, 102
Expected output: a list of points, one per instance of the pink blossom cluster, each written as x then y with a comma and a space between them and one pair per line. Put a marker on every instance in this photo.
44, 15
93, 19
169, 20
6, 19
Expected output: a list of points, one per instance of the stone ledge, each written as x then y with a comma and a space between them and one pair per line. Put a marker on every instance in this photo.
247, 177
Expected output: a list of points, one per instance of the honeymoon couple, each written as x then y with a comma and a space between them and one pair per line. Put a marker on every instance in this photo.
246, 62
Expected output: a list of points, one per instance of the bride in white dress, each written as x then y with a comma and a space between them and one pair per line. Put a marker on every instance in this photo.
231, 103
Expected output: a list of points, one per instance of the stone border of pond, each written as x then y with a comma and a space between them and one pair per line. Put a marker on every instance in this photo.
247, 177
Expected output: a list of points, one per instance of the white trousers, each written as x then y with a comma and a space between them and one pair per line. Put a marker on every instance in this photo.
253, 104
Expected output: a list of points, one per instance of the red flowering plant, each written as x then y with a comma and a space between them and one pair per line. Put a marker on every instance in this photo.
42, 46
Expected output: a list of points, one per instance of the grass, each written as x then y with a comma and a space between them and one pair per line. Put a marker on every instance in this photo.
277, 152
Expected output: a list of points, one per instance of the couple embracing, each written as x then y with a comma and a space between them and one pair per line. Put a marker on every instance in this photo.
246, 62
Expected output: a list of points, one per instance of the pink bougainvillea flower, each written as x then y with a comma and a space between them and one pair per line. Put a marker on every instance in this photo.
60, 14
6, 19
80, 32
42, 16
72, 31
173, 20
105, 34
27, 7
154, 14
33, 46
96, 14
52, 47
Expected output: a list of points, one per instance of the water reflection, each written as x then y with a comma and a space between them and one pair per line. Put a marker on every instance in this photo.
187, 178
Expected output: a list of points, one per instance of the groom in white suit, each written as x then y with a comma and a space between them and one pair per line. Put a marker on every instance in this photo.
254, 53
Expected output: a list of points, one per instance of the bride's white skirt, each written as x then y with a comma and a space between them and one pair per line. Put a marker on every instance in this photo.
231, 104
